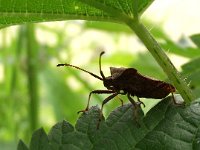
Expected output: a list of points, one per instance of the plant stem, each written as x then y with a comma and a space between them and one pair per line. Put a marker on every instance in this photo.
32, 72
162, 59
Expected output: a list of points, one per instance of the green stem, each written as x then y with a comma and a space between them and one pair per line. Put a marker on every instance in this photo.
162, 59
32, 72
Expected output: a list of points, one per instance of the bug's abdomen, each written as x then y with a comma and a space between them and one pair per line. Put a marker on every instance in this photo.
160, 90
146, 88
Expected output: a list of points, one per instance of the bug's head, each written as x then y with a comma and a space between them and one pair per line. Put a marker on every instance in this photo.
108, 83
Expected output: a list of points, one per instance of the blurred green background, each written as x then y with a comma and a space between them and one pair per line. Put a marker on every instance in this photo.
35, 93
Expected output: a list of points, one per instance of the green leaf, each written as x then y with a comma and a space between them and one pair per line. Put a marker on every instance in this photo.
166, 126
58, 133
196, 39
18, 12
191, 66
171, 127
191, 71
108, 27
118, 8
39, 140
21, 146
63, 136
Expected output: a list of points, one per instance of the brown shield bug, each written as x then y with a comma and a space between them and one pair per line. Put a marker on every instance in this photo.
127, 81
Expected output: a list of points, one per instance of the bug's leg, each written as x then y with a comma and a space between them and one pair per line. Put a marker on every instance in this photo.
104, 102
173, 99
121, 100
132, 100
136, 107
140, 102
95, 92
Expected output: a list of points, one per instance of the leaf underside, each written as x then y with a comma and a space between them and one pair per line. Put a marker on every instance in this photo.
23, 11
166, 126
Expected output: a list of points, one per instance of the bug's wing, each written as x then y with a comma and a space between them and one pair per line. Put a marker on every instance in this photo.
116, 72
119, 72
124, 73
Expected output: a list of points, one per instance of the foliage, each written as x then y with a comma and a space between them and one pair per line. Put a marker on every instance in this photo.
166, 126
27, 61
191, 69
15, 12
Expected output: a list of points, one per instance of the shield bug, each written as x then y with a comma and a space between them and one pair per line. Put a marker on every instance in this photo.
127, 81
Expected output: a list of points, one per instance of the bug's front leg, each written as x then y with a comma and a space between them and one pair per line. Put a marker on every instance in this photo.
95, 92
104, 102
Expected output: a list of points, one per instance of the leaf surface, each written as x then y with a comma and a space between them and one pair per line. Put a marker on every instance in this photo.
21, 146
166, 126
39, 140
23, 11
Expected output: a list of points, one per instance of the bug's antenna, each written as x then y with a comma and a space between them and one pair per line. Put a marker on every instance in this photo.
69, 65
101, 72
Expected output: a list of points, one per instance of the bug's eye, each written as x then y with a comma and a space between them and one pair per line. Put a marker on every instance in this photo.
111, 87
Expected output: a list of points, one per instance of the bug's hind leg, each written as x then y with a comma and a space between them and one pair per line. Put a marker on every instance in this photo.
136, 108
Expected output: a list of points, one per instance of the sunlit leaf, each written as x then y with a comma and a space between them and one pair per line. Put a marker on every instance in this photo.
18, 12
21, 146
39, 140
